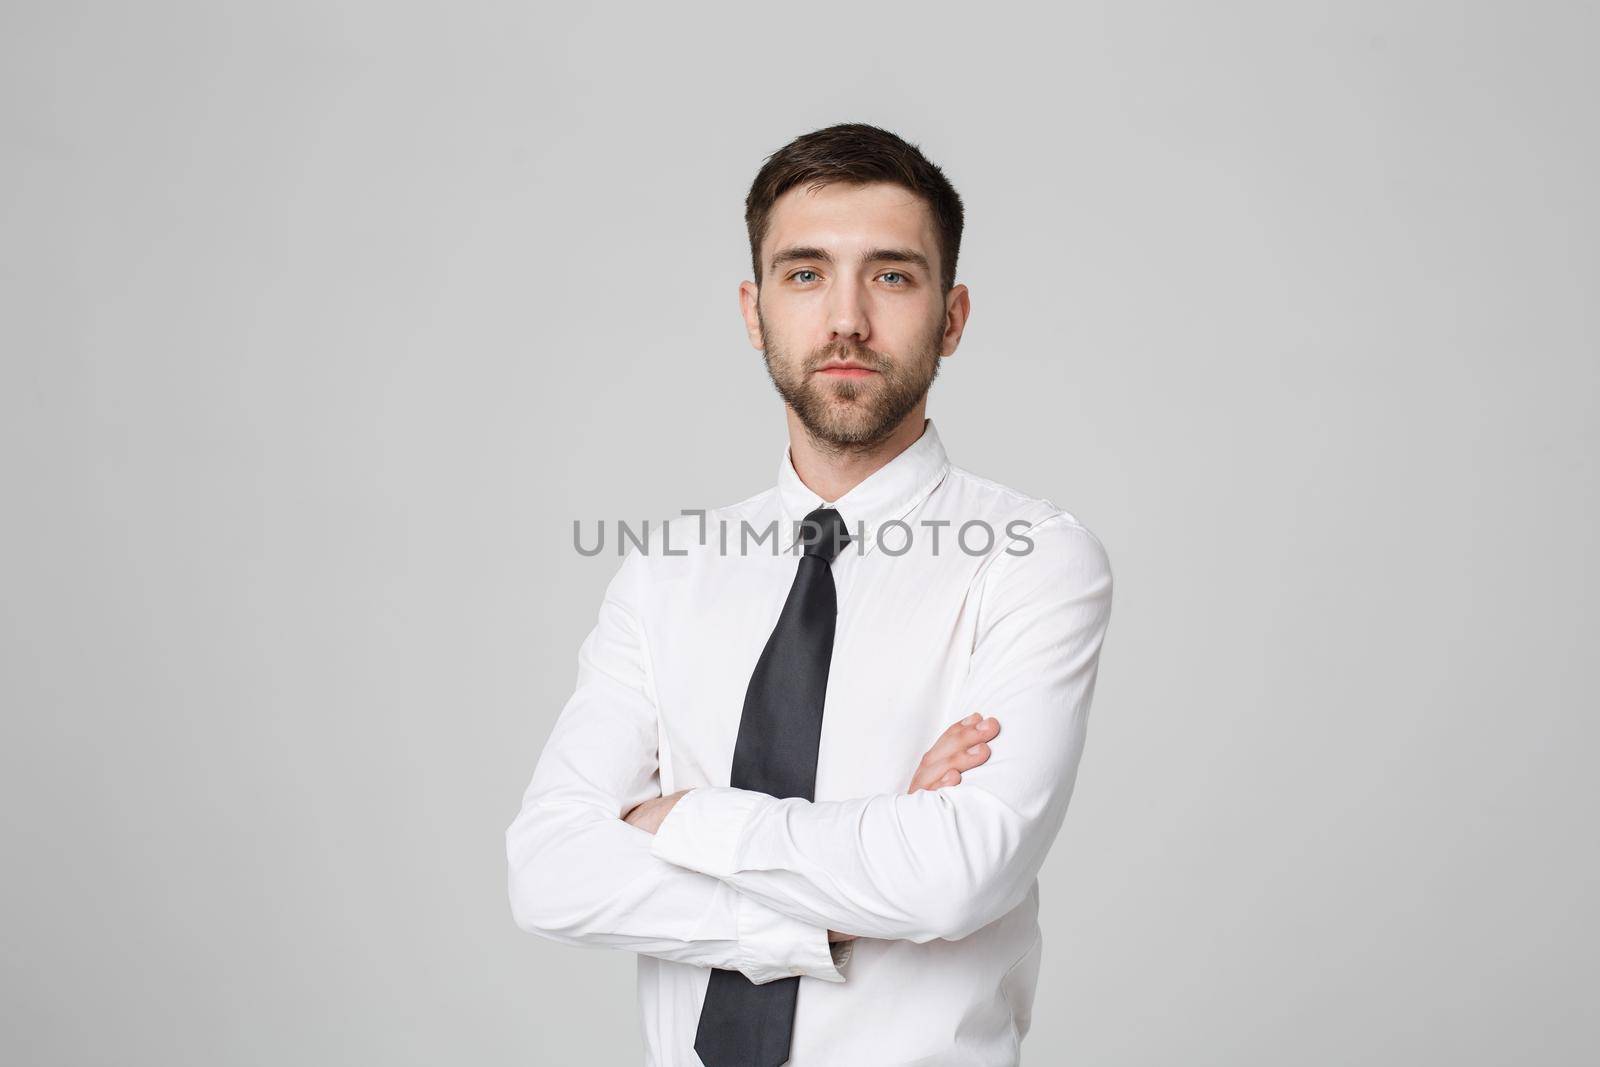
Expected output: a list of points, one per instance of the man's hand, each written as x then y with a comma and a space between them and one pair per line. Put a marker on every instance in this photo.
960, 748
649, 815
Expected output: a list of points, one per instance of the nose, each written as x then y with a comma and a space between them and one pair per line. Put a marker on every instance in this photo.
847, 314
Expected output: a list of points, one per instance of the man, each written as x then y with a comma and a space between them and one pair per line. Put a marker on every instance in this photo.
827, 889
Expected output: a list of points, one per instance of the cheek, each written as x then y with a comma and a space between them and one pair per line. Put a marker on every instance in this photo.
794, 337
909, 329
776, 314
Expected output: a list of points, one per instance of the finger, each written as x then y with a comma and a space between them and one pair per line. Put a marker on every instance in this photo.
952, 749
958, 728
935, 778
961, 737
971, 756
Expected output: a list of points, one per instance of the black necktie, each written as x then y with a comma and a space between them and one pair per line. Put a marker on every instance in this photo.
743, 1024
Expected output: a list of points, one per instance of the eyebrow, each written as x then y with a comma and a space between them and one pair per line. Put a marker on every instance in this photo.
876, 255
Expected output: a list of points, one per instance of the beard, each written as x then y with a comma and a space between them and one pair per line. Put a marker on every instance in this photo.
853, 414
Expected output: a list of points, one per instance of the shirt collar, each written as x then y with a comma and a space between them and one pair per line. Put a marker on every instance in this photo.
885, 495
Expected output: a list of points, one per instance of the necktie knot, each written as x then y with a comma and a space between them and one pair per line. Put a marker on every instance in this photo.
822, 534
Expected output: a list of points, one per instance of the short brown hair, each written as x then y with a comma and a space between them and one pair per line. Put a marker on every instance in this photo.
857, 153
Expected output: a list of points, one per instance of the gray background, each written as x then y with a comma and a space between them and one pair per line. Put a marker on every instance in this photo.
322, 323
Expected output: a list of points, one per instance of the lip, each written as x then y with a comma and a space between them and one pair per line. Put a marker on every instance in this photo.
845, 370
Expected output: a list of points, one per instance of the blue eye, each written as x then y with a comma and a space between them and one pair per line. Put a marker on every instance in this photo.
796, 274
894, 273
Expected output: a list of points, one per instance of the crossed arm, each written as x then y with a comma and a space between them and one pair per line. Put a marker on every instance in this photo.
962, 746
743, 880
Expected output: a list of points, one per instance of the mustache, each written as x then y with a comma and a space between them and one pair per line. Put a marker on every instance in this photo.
853, 353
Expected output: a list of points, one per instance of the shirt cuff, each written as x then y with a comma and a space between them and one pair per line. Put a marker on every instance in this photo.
704, 829
775, 946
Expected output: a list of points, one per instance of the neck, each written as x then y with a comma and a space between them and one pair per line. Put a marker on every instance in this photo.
831, 471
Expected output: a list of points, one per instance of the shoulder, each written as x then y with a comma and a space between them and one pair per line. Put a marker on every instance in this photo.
1033, 534
1046, 568
1058, 549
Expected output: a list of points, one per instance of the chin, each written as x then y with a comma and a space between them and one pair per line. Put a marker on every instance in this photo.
849, 431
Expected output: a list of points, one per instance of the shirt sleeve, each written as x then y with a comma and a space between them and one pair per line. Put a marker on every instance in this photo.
580, 875
937, 863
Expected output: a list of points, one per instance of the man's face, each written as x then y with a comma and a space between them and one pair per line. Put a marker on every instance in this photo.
851, 276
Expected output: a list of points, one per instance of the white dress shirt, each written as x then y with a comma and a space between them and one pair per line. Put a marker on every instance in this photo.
939, 886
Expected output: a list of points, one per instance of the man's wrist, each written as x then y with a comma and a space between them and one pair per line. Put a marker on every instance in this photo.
777, 946
702, 832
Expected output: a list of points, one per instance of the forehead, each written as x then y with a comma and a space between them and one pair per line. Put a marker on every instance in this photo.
847, 219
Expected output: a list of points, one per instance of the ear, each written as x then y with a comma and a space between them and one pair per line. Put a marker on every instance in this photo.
749, 294
957, 309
